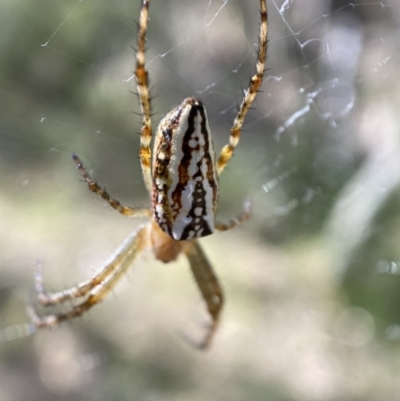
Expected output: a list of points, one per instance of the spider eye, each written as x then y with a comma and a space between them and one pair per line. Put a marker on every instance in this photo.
185, 182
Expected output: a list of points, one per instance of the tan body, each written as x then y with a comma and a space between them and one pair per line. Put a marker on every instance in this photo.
165, 248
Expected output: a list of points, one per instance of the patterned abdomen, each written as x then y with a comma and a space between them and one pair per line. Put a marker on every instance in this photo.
185, 182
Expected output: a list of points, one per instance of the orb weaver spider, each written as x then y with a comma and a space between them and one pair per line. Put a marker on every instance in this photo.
183, 186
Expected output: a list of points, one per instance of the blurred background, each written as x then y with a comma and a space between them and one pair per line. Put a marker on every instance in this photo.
311, 282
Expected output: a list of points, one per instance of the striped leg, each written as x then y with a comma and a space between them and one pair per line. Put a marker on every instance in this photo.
142, 81
249, 95
95, 289
209, 287
245, 215
94, 187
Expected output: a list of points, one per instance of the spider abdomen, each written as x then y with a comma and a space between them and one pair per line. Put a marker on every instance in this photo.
185, 181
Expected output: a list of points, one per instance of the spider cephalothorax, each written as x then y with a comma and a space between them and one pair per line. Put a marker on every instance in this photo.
183, 186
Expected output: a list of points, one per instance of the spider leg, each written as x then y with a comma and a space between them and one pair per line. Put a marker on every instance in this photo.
97, 288
94, 187
142, 81
249, 95
82, 289
245, 215
209, 287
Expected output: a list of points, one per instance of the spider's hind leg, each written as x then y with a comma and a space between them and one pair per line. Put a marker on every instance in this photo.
249, 94
142, 82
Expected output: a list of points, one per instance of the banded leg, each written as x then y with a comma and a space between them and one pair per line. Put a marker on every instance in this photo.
94, 187
142, 82
249, 95
82, 289
112, 274
209, 287
245, 215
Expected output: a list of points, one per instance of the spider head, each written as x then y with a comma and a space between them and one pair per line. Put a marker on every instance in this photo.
185, 181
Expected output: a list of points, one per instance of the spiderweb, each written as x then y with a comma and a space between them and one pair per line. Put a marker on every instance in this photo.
310, 277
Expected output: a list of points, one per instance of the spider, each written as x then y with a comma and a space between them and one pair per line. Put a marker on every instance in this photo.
183, 187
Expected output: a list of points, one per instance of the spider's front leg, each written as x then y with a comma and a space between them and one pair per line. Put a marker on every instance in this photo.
96, 289
209, 287
94, 187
